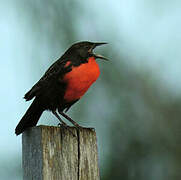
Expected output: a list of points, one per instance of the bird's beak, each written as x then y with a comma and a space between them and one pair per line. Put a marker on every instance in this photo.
99, 44
98, 55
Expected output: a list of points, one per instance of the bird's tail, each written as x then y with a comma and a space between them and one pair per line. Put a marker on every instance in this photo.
30, 118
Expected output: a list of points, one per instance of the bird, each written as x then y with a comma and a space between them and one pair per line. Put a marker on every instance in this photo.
63, 84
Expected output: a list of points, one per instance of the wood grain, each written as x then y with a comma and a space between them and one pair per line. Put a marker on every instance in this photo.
53, 153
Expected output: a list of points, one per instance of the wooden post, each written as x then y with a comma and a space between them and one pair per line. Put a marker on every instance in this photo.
53, 153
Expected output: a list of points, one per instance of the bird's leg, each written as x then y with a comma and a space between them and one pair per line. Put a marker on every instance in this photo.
70, 119
63, 123
59, 118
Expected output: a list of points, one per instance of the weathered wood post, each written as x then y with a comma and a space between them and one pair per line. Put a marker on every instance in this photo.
53, 153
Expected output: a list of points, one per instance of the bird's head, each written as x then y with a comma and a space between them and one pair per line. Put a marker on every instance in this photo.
85, 49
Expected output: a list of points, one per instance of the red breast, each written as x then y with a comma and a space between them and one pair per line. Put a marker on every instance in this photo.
80, 79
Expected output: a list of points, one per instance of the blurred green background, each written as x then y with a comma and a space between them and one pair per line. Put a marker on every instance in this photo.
135, 105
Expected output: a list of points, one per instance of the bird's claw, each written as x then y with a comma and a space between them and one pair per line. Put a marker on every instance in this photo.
66, 127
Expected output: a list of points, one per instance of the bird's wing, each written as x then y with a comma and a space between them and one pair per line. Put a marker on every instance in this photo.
57, 69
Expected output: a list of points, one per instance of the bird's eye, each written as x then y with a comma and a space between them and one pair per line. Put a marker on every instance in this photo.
87, 47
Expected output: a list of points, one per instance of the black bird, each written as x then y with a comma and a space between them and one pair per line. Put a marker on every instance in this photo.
63, 84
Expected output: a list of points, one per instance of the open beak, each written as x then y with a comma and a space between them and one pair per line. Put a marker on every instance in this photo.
98, 55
